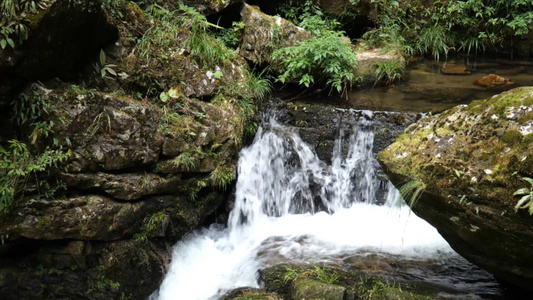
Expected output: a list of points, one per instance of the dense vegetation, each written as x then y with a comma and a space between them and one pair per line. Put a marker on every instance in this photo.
475, 26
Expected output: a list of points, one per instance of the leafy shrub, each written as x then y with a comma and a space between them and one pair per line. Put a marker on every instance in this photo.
328, 59
232, 36
24, 166
469, 25
14, 20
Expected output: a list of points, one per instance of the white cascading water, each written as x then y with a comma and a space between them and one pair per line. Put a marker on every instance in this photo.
292, 207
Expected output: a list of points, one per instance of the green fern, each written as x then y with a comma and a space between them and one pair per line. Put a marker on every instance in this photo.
412, 190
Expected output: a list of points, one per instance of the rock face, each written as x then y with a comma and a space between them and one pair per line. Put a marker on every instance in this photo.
263, 34
149, 154
469, 161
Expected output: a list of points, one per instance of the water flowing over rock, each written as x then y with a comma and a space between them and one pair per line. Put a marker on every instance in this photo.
469, 161
288, 210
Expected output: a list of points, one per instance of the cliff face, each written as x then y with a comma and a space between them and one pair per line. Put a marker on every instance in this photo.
465, 164
139, 146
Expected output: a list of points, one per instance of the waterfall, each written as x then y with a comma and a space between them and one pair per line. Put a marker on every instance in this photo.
292, 207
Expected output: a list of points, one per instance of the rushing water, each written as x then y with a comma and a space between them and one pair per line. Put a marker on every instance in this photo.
292, 207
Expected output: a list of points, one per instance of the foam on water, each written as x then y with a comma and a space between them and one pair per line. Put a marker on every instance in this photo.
292, 206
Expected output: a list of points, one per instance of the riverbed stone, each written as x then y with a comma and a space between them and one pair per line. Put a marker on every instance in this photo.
468, 161
493, 80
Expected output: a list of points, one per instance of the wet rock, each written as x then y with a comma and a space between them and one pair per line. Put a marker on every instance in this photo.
454, 69
97, 272
124, 186
311, 289
250, 294
263, 34
492, 80
325, 281
81, 218
469, 161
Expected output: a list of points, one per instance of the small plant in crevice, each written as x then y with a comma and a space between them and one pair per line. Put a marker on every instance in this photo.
27, 167
222, 176
232, 36
527, 197
388, 71
411, 191
102, 68
324, 276
185, 159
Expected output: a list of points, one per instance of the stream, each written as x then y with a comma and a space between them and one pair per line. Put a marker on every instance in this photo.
292, 207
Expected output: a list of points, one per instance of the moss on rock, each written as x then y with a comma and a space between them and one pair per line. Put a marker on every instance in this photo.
471, 159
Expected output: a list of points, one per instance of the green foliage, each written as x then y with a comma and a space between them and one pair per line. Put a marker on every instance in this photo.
232, 36
470, 25
412, 190
185, 159
324, 276
18, 166
203, 47
388, 37
326, 59
153, 223
103, 69
320, 272
14, 20
527, 197
389, 71
27, 167
222, 176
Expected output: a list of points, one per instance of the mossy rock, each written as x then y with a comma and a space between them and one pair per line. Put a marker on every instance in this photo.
470, 160
306, 288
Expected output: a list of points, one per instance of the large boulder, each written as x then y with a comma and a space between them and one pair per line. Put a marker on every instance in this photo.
263, 34
467, 162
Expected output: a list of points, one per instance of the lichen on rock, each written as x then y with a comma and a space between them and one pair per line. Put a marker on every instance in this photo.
470, 159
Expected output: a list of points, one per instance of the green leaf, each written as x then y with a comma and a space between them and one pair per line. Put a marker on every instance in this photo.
522, 201
529, 180
164, 97
3, 43
11, 43
102, 58
521, 191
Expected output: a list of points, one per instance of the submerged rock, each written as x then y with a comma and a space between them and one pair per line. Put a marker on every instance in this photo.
492, 80
454, 69
468, 161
